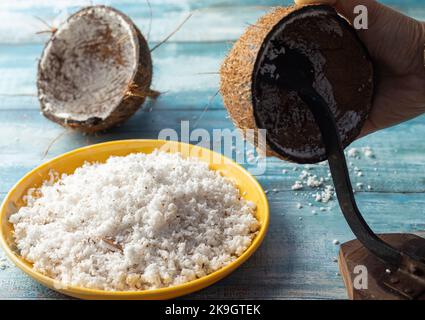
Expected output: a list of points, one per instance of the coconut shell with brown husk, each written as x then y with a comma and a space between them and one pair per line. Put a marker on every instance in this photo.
343, 76
95, 71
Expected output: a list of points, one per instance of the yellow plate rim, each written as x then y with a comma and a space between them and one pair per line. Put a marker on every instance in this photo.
170, 292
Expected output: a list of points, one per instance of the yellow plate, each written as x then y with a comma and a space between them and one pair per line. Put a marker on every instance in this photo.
68, 162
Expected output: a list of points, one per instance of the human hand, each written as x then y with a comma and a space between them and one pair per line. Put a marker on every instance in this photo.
396, 44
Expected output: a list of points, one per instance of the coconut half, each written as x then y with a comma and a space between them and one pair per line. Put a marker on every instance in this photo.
343, 76
95, 71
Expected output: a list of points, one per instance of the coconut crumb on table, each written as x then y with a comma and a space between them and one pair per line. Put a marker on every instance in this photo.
4, 263
320, 188
353, 153
321, 192
135, 222
314, 182
356, 153
297, 185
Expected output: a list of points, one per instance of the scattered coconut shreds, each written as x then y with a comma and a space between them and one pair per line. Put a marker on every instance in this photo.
321, 190
314, 182
304, 174
323, 193
324, 196
353, 153
297, 185
368, 152
327, 194
4, 263
135, 222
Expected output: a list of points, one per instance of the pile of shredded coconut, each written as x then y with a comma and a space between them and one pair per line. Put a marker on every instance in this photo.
133, 223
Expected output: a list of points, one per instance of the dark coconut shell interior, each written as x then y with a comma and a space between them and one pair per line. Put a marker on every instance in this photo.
95, 71
343, 76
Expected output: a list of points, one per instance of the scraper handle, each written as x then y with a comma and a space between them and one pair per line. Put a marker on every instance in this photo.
339, 171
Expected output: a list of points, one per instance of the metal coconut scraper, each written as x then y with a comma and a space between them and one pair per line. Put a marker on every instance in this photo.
395, 263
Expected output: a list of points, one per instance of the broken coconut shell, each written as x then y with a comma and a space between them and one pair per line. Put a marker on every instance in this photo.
95, 71
343, 77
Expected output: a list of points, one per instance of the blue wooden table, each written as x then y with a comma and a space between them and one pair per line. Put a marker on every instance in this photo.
297, 259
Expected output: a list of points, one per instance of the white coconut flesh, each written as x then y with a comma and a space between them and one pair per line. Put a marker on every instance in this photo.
87, 66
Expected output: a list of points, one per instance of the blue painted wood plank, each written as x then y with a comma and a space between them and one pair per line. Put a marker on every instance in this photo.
397, 167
